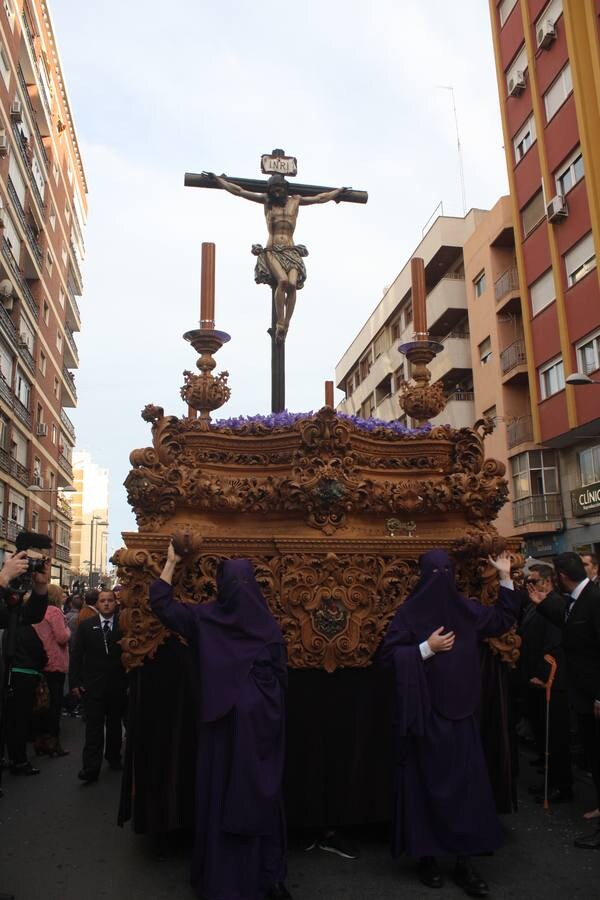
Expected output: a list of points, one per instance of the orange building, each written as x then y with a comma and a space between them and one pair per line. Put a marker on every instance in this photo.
548, 69
42, 216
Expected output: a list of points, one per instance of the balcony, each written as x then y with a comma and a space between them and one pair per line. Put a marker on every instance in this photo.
519, 432
13, 528
454, 362
66, 466
73, 313
459, 411
507, 291
2, 527
41, 87
62, 553
75, 267
71, 392
513, 362
67, 424
22, 412
19, 278
540, 508
33, 116
26, 355
7, 325
71, 348
14, 468
32, 237
446, 305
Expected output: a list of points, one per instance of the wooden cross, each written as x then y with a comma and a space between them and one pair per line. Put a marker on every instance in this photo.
280, 165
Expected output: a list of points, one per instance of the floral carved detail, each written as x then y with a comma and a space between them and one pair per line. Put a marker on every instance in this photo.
422, 401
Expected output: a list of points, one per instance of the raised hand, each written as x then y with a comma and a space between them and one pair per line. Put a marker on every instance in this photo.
440, 643
502, 563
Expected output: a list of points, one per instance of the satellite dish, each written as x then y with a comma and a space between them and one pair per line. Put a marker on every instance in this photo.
6, 288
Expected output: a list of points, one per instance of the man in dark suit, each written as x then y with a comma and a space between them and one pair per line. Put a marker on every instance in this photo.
578, 616
97, 676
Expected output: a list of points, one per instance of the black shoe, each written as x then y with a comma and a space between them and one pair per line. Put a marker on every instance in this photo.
87, 777
537, 788
117, 765
469, 880
333, 843
588, 841
537, 763
279, 892
23, 769
556, 795
429, 872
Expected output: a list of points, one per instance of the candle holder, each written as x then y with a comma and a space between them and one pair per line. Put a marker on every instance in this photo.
205, 392
421, 401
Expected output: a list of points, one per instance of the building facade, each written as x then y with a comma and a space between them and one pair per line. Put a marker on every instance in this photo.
548, 70
42, 220
89, 536
372, 369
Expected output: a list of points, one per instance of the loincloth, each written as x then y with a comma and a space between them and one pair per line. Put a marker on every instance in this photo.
287, 257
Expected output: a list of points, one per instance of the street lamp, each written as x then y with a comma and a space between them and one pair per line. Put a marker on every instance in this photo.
580, 378
94, 521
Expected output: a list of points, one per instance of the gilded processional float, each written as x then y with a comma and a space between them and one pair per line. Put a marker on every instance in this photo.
334, 512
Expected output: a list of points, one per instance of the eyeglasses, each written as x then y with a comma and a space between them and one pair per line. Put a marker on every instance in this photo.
532, 581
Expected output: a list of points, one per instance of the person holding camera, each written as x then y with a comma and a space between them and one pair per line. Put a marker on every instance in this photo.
23, 652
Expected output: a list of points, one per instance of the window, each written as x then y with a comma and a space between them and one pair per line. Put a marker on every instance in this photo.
350, 386
40, 413
67, 213
519, 64
3, 431
52, 480
16, 508
11, 236
533, 212
10, 15
552, 11
38, 176
492, 414
4, 65
14, 173
365, 365
35, 521
399, 376
6, 364
46, 313
64, 253
558, 92
408, 314
524, 139
56, 387
485, 351
22, 388
589, 465
42, 363
542, 292
569, 173
59, 341
52, 216
54, 434
395, 330
367, 409
534, 473
37, 471
479, 284
588, 354
383, 389
580, 259
49, 262
61, 297
380, 345
504, 10
19, 447
552, 378
55, 171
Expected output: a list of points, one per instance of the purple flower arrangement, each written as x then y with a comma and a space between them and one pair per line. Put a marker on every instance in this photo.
287, 419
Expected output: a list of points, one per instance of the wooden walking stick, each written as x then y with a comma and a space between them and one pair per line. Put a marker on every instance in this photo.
552, 663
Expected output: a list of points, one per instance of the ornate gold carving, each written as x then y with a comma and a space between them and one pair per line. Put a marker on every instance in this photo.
422, 402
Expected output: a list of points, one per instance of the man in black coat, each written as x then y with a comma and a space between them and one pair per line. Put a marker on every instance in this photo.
578, 617
540, 638
97, 675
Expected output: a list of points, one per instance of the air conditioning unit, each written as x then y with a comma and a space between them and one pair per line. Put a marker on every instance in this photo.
557, 208
516, 83
16, 111
546, 33
3, 144
41, 429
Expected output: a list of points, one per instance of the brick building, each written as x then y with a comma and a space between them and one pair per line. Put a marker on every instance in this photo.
42, 216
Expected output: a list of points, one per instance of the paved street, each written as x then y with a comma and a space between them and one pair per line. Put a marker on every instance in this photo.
60, 842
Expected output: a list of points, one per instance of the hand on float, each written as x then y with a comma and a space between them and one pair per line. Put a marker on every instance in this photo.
502, 564
172, 556
439, 642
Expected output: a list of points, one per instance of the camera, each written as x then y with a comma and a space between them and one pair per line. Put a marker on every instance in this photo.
35, 565
30, 540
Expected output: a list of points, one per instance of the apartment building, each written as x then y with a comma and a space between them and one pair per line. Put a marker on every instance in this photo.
371, 370
42, 220
548, 69
89, 505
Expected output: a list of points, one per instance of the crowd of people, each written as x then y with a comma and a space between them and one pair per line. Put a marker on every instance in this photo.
64, 657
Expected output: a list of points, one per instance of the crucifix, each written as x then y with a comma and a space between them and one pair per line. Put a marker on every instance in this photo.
280, 264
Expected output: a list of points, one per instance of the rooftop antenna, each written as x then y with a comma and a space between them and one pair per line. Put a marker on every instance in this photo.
447, 87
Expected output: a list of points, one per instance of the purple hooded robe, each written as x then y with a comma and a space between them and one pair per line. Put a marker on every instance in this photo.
443, 801
240, 848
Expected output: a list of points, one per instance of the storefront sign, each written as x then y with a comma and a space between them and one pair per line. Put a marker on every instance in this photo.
586, 500
547, 545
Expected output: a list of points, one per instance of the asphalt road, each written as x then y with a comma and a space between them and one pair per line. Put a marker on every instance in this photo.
59, 841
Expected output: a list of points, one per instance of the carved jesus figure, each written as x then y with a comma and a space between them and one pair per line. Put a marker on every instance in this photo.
279, 264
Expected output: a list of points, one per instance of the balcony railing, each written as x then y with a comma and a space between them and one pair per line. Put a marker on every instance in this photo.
26, 355
541, 508
14, 468
22, 412
75, 264
31, 236
8, 325
508, 282
2, 527
519, 431
6, 392
66, 466
461, 395
69, 427
70, 381
20, 278
62, 553
513, 356
12, 529
71, 342
72, 299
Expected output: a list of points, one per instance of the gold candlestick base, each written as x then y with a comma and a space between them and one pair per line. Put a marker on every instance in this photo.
205, 392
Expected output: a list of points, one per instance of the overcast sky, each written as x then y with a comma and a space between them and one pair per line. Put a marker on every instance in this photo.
349, 88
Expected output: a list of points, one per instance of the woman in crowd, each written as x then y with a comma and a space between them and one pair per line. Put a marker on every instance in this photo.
54, 635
